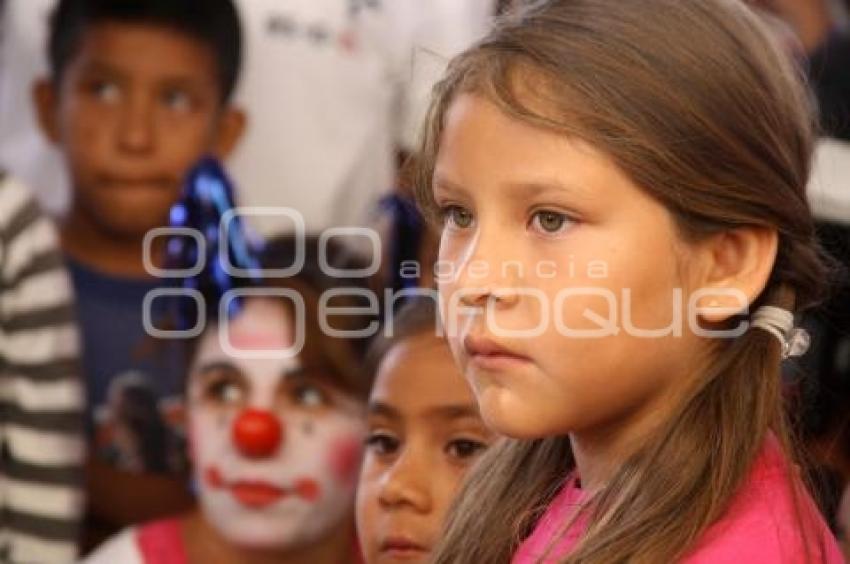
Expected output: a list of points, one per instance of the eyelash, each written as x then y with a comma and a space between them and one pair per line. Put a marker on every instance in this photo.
100, 89
476, 448
300, 392
378, 439
177, 100
448, 219
565, 219
216, 390
460, 450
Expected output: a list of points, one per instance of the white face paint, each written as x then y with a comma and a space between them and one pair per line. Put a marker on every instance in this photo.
275, 449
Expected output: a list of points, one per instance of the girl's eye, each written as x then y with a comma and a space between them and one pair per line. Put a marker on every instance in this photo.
464, 449
177, 100
550, 222
382, 443
226, 391
456, 216
307, 395
106, 92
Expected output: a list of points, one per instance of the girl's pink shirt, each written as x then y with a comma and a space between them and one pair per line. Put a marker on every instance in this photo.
759, 526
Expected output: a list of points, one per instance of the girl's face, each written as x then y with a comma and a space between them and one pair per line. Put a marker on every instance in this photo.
275, 448
548, 237
424, 432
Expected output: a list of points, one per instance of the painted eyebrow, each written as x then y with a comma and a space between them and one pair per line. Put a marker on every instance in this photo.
297, 372
216, 366
206, 372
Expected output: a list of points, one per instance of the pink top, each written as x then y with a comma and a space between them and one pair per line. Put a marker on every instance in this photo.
759, 526
161, 542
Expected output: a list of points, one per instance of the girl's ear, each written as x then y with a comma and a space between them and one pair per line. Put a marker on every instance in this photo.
738, 264
231, 126
46, 102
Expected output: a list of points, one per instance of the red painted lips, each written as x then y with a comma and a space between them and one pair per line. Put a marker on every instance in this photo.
260, 494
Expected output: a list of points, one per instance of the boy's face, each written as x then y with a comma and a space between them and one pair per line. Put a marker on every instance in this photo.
137, 106
275, 448
424, 433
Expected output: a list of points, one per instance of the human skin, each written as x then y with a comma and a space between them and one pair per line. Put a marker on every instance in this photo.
510, 193
424, 434
137, 106
275, 448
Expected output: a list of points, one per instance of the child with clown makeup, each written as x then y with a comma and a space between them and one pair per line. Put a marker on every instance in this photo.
275, 438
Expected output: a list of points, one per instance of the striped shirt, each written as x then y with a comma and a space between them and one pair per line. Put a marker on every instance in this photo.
41, 394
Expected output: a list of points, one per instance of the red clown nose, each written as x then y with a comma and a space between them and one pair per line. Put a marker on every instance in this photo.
257, 433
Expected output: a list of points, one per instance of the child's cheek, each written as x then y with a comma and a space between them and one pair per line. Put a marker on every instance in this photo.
344, 456
207, 430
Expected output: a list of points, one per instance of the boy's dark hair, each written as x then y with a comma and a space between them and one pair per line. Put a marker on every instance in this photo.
417, 316
215, 23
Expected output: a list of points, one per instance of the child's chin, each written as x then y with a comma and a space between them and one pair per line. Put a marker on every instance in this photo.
507, 415
261, 534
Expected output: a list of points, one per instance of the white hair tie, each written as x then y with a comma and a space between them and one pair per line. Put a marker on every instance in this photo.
780, 323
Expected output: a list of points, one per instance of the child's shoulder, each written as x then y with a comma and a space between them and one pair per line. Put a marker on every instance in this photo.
15, 198
158, 541
762, 525
120, 548
29, 243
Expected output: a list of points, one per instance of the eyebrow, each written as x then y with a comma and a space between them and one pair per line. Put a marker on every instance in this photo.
216, 366
455, 411
206, 373
450, 411
102, 67
519, 190
530, 190
443, 184
98, 66
385, 409
297, 372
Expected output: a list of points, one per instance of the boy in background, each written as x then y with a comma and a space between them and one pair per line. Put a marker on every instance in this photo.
138, 92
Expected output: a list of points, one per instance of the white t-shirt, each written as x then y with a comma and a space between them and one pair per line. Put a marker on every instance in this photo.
829, 187
332, 89
23, 58
122, 548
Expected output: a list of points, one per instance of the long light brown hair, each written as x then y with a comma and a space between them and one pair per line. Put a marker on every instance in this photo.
696, 103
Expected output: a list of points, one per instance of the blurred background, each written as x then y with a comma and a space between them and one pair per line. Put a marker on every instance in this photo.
331, 94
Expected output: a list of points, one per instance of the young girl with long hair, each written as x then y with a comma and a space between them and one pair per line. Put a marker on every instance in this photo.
627, 241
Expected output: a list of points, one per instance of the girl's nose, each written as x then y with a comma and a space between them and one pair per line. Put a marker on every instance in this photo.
405, 484
257, 433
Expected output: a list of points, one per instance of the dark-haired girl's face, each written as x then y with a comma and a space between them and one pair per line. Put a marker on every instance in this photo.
275, 447
424, 434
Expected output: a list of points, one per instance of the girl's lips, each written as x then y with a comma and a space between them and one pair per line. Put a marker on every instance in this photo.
402, 548
256, 494
489, 355
260, 494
